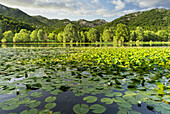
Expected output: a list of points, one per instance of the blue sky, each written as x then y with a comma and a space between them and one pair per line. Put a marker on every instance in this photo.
84, 9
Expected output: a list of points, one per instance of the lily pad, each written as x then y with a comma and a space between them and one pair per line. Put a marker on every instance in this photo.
36, 94
33, 111
90, 99
98, 108
81, 108
50, 99
10, 106
50, 105
34, 104
24, 112
107, 100
55, 92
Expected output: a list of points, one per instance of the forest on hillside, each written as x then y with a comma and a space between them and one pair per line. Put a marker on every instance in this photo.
152, 25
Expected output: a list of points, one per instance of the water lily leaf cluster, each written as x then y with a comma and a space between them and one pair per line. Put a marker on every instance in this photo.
122, 76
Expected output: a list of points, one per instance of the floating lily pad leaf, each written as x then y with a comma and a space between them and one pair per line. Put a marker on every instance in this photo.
107, 100
22, 95
122, 112
50, 99
47, 88
34, 86
55, 92
156, 98
165, 106
141, 98
33, 111
134, 112
24, 112
98, 108
46, 111
12, 113
130, 99
112, 94
11, 106
36, 94
12, 100
50, 105
162, 110
24, 101
118, 100
141, 88
81, 108
34, 104
124, 105
130, 93
90, 99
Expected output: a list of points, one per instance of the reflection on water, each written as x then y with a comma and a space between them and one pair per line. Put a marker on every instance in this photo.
84, 45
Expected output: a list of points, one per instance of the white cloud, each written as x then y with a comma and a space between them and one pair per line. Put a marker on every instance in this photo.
148, 3
119, 4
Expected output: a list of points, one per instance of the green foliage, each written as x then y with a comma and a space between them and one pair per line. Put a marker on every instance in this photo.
60, 37
52, 36
140, 33
34, 36
162, 35
122, 33
22, 36
70, 33
107, 35
41, 35
13, 25
93, 35
8, 35
152, 20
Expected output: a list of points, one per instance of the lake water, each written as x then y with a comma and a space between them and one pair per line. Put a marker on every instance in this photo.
83, 45
15, 62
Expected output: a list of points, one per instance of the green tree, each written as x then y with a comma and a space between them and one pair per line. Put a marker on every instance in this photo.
162, 35
70, 33
150, 35
25, 35
83, 36
8, 35
17, 38
52, 36
93, 35
60, 37
140, 33
133, 36
33, 36
107, 35
122, 33
41, 35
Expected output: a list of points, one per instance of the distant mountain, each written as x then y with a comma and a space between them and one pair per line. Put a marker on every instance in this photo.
154, 19
41, 21
13, 25
19, 15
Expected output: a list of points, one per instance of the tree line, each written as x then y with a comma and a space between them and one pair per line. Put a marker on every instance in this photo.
120, 33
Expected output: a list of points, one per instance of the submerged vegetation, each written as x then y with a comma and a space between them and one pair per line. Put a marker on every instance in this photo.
102, 80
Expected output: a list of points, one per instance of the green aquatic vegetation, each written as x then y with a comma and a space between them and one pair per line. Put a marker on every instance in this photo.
125, 75
36, 94
50, 99
50, 105
90, 99
98, 108
81, 108
107, 100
